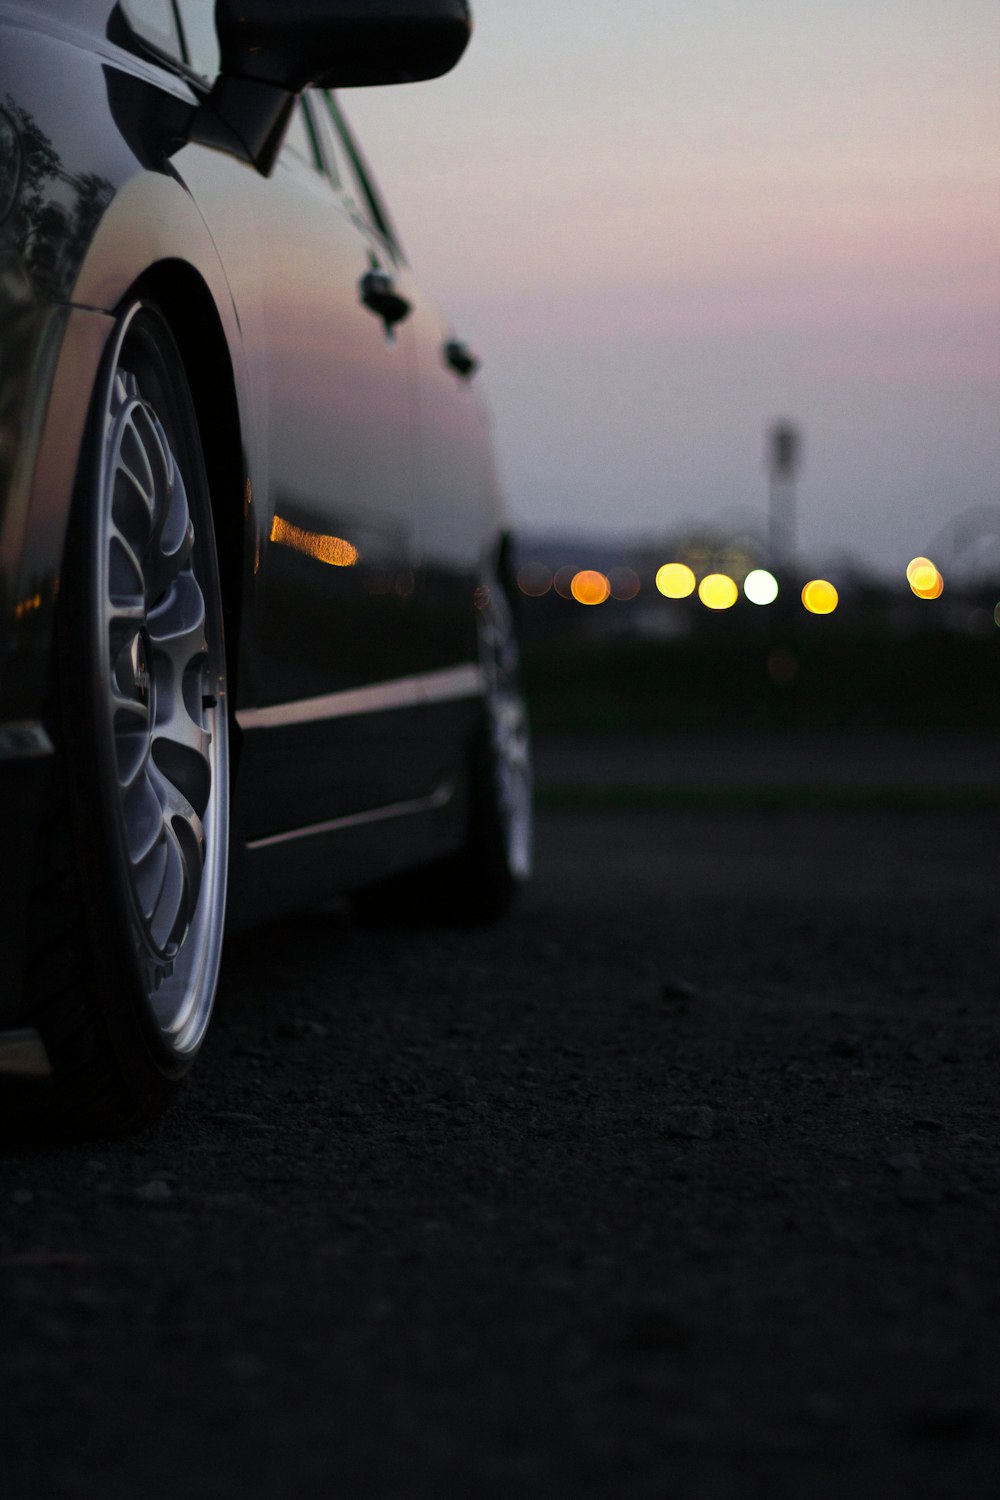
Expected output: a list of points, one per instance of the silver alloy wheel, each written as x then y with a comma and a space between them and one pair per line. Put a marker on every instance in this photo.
162, 720
507, 727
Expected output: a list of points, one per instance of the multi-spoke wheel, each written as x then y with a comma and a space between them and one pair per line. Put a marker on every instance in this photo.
143, 819
506, 768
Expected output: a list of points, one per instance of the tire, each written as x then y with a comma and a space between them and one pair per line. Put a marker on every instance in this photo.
125, 936
482, 881
499, 854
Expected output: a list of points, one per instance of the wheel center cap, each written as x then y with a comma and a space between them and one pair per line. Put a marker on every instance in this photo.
140, 669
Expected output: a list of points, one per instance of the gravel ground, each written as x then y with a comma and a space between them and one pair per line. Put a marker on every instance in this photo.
684, 1183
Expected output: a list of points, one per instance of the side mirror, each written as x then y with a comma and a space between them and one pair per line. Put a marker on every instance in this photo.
273, 49
340, 43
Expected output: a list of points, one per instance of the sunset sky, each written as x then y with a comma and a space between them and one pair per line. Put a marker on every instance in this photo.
663, 231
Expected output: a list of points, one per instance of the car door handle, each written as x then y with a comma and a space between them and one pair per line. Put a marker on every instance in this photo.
460, 358
379, 295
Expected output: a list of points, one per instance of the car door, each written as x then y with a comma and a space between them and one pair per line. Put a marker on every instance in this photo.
337, 539
330, 504
456, 497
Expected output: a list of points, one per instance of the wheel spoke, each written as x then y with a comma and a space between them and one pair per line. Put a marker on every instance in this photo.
184, 828
143, 819
176, 623
126, 585
165, 916
150, 877
142, 456
127, 701
174, 537
132, 751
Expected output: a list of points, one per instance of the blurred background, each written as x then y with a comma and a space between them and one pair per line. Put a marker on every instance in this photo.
733, 276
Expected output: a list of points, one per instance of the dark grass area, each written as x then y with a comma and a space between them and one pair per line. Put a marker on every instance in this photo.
908, 799
720, 679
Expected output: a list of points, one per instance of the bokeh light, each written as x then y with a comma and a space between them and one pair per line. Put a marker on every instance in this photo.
924, 578
718, 591
820, 597
562, 582
927, 586
915, 563
590, 587
624, 583
675, 580
534, 579
760, 586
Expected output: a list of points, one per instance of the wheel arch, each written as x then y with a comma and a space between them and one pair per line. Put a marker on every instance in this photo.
189, 309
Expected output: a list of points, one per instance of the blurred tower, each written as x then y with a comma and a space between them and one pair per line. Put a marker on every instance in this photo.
784, 457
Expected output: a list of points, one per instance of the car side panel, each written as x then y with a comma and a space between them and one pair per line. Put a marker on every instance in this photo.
112, 197
459, 512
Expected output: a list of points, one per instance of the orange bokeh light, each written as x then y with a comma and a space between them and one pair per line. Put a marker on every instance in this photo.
624, 583
924, 578
562, 582
534, 579
590, 587
926, 582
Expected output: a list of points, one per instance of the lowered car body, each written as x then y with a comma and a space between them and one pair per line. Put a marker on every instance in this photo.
222, 394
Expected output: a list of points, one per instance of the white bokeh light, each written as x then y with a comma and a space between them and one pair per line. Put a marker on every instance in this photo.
760, 586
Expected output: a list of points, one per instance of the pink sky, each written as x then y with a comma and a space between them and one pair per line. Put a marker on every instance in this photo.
659, 236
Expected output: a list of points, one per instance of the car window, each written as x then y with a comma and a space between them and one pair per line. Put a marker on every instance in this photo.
346, 166
201, 40
300, 141
336, 154
155, 22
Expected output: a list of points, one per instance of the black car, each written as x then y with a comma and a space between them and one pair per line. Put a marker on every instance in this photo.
254, 580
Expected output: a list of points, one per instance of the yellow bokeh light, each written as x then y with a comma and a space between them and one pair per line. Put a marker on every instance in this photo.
675, 580
917, 562
820, 597
718, 591
590, 587
925, 580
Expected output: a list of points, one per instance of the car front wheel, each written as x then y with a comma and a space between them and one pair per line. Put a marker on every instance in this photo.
129, 905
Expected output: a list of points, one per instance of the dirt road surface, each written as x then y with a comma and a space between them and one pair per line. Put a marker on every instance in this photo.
684, 1183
